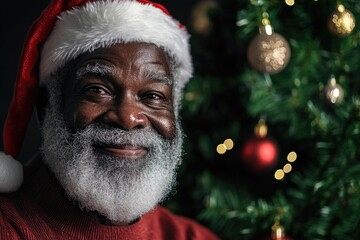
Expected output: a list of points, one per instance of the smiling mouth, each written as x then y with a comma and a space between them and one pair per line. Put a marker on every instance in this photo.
123, 151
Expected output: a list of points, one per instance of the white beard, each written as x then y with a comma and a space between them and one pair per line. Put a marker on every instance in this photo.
119, 189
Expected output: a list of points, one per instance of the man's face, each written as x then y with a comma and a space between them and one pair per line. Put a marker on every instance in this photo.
111, 138
128, 86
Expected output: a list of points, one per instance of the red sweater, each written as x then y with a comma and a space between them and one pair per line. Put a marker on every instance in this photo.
39, 211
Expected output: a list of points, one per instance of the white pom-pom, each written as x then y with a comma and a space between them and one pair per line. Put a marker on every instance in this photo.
11, 173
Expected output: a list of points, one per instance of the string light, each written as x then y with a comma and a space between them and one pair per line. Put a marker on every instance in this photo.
221, 148
287, 168
290, 2
228, 144
280, 173
292, 156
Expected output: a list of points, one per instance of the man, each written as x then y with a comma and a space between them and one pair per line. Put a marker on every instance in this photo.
107, 77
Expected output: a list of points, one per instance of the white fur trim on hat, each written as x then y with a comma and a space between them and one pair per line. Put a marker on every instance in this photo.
104, 23
11, 173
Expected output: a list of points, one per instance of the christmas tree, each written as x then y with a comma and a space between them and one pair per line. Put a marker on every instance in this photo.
272, 119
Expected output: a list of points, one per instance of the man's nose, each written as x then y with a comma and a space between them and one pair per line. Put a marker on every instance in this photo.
126, 114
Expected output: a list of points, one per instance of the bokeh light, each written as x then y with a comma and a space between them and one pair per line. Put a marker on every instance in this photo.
287, 168
229, 144
279, 174
221, 148
292, 156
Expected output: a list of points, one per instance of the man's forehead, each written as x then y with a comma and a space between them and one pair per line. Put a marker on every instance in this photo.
103, 69
128, 52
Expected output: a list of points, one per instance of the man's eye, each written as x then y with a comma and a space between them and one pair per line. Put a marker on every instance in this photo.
95, 90
153, 96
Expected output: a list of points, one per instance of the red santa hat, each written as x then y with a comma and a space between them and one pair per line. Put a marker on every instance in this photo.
68, 28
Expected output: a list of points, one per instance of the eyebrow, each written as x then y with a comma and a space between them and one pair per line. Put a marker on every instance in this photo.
91, 68
104, 70
158, 76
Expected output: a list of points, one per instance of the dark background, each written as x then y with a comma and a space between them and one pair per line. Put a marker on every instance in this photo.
16, 18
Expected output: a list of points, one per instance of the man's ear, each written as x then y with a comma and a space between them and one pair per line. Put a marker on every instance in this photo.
42, 103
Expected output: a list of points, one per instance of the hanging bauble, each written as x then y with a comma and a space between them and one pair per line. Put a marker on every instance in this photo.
341, 22
199, 17
278, 233
268, 52
334, 93
260, 152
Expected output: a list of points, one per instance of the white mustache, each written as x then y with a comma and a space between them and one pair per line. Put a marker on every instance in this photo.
100, 134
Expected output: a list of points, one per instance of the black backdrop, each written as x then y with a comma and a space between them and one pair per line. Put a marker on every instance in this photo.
16, 18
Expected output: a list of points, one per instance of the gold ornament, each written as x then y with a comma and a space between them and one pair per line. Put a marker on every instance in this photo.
261, 128
199, 18
278, 231
268, 52
334, 92
341, 21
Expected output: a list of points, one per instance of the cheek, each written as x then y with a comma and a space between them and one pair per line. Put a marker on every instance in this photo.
82, 114
164, 124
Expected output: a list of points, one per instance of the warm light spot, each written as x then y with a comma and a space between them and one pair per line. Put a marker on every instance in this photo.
341, 8
287, 168
268, 30
292, 156
335, 93
267, 152
290, 2
221, 149
261, 128
190, 96
229, 144
279, 174
265, 21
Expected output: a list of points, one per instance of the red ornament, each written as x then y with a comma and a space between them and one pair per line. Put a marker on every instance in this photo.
260, 152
